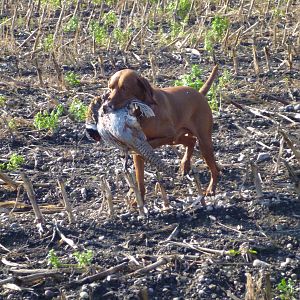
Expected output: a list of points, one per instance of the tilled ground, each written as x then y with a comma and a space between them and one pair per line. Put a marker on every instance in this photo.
242, 233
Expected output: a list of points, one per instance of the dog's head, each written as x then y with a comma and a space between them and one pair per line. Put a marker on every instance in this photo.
126, 85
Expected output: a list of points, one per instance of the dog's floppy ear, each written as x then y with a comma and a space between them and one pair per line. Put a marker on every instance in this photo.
148, 90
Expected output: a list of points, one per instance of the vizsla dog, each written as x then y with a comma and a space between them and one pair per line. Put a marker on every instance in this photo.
182, 116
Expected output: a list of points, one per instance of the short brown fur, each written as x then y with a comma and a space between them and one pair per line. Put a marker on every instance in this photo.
182, 116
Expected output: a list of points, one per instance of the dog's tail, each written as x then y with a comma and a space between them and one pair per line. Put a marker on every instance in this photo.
206, 86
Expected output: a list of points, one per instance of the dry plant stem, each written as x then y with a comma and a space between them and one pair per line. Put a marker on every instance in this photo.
232, 296
98, 276
275, 35
66, 201
59, 73
279, 155
250, 8
29, 14
153, 68
255, 289
107, 195
9, 181
65, 239
241, 8
63, 5
31, 195
250, 28
230, 228
29, 38
30, 279
45, 271
39, 72
77, 7
290, 57
290, 144
164, 196
256, 179
197, 248
4, 248
12, 27
294, 178
147, 269
235, 62
198, 185
255, 60
20, 187
132, 184
267, 57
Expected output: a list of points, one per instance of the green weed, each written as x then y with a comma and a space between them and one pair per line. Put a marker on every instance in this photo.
107, 2
287, 289
191, 79
183, 8
72, 25
234, 252
14, 163
121, 36
72, 79
214, 95
110, 19
12, 124
278, 13
98, 33
52, 3
45, 120
83, 259
53, 259
2, 100
48, 43
78, 110
218, 29
176, 29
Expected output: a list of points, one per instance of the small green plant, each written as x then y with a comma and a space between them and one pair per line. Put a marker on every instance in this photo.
214, 95
278, 13
53, 259
191, 79
2, 100
183, 7
225, 79
14, 163
286, 289
219, 26
110, 18
12, 124
234, 252
98, 33
53, 3
176, 29
107, 2
78, 110
72, 79
45, 120
121, 36
218, 29
48, 42
72, 25
83, 259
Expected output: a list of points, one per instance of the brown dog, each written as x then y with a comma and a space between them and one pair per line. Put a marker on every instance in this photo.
182, 116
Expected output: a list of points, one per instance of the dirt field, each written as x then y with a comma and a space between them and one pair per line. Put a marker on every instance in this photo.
243, 245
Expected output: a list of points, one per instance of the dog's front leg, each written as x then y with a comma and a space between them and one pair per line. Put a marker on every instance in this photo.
139, 165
